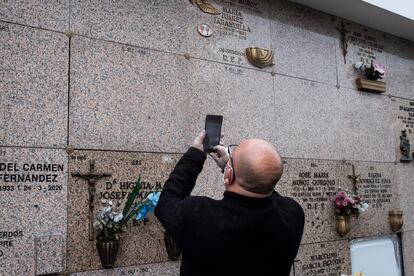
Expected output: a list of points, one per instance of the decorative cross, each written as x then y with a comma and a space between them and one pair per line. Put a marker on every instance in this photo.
344, 40
355, 179
91, 177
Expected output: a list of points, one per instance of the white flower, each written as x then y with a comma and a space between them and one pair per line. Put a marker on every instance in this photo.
360, 66
362, 207
118, 217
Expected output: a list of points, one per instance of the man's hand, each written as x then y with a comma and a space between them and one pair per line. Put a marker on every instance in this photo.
198, 141
220, 156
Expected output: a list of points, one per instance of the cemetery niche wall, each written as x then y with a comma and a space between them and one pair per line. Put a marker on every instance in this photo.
128, 84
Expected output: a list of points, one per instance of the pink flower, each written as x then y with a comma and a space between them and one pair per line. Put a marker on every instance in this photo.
341, 194
380, 68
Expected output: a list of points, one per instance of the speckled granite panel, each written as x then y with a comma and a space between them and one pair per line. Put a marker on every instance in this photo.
304, 42
156, 269
363, 44
323, 259
142, 242
314, 183
240, 25
150, 101
33, 199
154, 24
318, 121
405, 174
49, 254
33, 81
408, 252
172, 26
403, 115
37, 13
400, 61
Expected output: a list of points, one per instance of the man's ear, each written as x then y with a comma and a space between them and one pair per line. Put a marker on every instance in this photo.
228, 175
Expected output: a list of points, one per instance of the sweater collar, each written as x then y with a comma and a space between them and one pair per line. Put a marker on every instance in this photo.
245, 201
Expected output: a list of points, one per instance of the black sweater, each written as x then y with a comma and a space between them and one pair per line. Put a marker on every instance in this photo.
237, 235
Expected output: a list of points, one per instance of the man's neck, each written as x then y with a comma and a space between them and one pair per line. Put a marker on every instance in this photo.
236, 188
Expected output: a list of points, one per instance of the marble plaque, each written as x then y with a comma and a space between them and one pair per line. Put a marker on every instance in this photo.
37, 13
142, 242
33, 200
159, 269
323, 259
400, 60
364, 44
304, 42
172, 26
403, 112
34, 87
314, 183
150, 101
314, 120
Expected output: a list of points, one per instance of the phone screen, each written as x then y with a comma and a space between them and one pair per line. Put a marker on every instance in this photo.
213, 130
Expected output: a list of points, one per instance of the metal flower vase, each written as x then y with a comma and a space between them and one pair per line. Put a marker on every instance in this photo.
107, 250
173, 250
343, 225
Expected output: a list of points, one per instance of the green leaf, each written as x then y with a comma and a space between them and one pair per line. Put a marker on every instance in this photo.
132, 197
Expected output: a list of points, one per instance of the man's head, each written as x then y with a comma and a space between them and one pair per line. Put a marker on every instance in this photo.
257, 166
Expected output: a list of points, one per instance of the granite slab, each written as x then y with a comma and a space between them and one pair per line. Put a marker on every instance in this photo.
37, 13
405, 174
363, 44
50, 254
323, 259
304, 42
314, 120
403, 119
34, 85
142, 242
400, 60
155, 269
408, 252
314, 183
33, 199
150, 101
172, 26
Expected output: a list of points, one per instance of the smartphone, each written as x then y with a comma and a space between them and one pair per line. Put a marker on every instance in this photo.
213, 130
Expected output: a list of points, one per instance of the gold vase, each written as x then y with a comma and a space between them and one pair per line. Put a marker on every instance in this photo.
343, 225
259, 57
396, 219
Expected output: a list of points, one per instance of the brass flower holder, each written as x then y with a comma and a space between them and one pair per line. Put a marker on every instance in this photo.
371, 86
259, 57
343, 225
396, 219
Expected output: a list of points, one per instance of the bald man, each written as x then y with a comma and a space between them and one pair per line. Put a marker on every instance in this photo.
253, 230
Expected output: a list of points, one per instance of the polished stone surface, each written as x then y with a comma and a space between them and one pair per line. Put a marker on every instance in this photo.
33, 199
304, 42
314, 183
405, 173
149, 101
400, 61
142, 242
37, 13
318, 121
34, 85
364, 44
327, 258
158, 269
403, 119
172, 26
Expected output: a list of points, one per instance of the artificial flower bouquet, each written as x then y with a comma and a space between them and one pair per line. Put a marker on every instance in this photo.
373, 72
109, 222
349, 204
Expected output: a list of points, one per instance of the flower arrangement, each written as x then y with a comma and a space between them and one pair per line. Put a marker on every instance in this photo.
373, 72
349, 204
109, 223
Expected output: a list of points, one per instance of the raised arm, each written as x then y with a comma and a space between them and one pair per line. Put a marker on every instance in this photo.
179, 185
